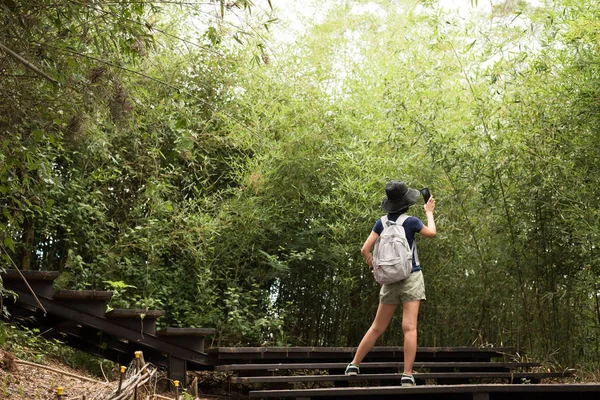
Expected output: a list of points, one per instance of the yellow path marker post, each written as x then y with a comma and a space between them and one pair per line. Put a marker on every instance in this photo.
176, 383
123, 368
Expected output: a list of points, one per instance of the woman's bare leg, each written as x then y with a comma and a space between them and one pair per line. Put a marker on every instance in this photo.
385, 312
410, 315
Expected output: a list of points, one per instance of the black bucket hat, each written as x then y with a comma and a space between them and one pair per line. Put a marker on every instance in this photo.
398, 196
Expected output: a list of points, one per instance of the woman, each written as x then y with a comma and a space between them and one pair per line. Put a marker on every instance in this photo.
409, 292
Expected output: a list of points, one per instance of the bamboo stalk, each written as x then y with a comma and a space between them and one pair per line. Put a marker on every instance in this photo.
28, 64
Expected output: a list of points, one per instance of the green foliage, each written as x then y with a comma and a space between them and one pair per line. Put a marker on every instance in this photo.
118, 299
169, 168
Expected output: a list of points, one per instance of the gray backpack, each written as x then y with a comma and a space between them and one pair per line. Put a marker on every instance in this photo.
392, 256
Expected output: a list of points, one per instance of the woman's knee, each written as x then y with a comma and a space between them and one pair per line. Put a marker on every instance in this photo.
408, 327
410, 316
377, 330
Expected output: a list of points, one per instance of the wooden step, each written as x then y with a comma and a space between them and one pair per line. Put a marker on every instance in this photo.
115, 336
465, 377
475, 392
239, 355
139, 320
40, 281
191, 338
372, 366
90, 301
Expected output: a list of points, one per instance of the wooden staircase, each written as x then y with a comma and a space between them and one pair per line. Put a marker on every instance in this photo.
79, 318
468, 373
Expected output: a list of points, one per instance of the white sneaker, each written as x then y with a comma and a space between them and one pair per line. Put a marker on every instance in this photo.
408, 380
352, 370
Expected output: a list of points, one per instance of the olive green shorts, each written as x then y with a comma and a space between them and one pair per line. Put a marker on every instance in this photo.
410, 289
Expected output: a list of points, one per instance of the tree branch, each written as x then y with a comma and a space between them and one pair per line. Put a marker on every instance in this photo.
83, 378
28, 64
24, 280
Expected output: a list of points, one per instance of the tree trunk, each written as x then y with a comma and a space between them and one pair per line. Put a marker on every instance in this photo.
27, 243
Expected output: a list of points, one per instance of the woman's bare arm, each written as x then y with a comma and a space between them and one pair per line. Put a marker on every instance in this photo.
430, 230
367, 248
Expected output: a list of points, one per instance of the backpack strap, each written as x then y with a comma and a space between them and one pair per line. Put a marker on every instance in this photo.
400, 221
415, 255
384, 221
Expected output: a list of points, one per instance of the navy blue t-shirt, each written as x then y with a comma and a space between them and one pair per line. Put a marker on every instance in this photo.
411, 226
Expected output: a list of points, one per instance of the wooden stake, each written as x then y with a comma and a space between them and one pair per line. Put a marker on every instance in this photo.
138, 355
123, 368
139, 360
195, 388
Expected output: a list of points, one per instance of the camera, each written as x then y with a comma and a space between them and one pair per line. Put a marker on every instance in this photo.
426, 194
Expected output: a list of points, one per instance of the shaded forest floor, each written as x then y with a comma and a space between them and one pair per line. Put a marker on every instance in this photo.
20, 381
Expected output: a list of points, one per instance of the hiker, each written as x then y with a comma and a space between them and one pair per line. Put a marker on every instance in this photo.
410, 291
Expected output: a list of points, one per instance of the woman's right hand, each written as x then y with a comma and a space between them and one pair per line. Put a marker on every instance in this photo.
429, 231
430, 205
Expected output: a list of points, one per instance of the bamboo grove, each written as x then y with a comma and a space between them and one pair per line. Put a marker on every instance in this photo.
229, 174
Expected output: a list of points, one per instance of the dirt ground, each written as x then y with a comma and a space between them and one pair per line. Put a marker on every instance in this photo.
19, 381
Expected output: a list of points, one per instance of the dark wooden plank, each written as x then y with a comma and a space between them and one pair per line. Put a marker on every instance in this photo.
90, 301
87, 339
41, 282
514, 377
177, 370
126, 313
143, 320
83, 295
171, 331
109, 352
376, 365
22, 312
192, 338
106, 346
376, 349
13, 274
229, 355
577, 390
